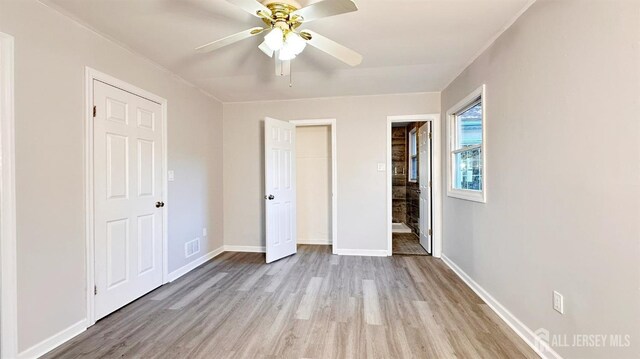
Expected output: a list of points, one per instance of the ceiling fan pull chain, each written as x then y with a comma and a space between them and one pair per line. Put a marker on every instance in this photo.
290, 74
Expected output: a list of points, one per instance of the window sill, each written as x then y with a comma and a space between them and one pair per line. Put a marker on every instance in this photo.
468, 195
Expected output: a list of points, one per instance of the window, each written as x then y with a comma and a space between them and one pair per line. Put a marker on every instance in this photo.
467, 151
413, 156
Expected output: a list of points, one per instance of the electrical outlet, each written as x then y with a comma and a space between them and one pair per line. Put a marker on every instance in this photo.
171, 176
204, 232
381, 167
558, 302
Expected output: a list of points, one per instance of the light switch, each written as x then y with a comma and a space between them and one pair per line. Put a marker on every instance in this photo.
381, 167
558, 302
204, 232
170, 176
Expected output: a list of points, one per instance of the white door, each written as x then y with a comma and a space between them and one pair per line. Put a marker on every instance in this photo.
280, 188
424, 177
128, 197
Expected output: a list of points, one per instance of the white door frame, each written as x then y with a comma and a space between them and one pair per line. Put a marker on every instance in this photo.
90, 76
8, 271
334, 174
436, 178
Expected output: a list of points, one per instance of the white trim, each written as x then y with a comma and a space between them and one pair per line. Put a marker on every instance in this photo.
8, 257
247, 249
514, 323
90, 76
436, 178
469, 195
54, 341
334, 173
194, 264
362, 252
316, 242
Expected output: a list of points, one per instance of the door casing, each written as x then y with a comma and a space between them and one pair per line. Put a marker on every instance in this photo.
436, 179
8, 238
90, 76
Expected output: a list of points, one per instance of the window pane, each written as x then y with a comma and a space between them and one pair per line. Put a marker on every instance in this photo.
413, 143
414, 169
468, 170
469, 125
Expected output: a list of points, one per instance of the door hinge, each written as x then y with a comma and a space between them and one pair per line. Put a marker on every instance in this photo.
430, 232
94, 111
429, 184
429, 135
95, 290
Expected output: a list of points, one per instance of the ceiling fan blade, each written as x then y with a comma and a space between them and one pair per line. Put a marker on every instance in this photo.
325, 8
229, 40
334, 49
253, 7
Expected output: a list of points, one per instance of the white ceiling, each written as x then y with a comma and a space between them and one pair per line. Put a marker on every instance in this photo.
408, 45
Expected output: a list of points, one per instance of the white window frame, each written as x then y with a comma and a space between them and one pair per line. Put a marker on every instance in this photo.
467, 194
410, 156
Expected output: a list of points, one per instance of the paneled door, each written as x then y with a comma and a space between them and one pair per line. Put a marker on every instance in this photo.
128, 198
280, 188
424, 179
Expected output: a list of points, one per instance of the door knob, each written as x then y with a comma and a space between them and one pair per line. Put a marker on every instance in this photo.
270, 197
159, 204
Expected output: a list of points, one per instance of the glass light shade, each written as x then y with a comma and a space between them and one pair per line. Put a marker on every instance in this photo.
286, 54
295, 43
275, 39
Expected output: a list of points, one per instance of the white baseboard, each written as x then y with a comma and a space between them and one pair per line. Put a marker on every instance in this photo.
54, 341
249, 249
518, 327
317, 242
193, 265
363, 252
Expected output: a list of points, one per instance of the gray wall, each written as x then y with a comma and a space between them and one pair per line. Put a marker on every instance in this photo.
361, 130
563, 157
51, 54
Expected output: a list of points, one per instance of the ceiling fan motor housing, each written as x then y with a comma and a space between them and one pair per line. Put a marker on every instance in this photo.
281, 15
292, 3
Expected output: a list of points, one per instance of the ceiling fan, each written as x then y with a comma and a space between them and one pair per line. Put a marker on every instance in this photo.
283, 40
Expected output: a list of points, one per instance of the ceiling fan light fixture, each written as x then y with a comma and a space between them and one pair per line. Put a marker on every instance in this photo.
266, 49
295, 43
275, 39
285, 54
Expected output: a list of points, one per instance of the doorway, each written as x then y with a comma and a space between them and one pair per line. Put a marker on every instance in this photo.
126, 188
313, 179
300, 185
413, 196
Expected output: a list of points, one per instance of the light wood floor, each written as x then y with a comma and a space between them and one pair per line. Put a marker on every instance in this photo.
407, 244
311, 305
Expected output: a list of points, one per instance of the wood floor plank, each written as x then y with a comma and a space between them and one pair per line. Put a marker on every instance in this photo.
311, 305
372, 313
253, 279
195, 293
307, 305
